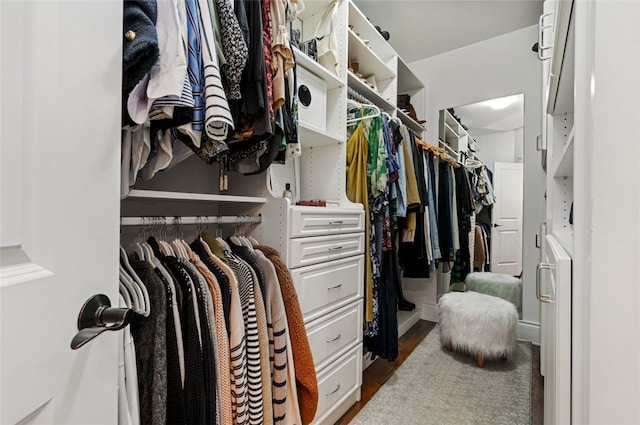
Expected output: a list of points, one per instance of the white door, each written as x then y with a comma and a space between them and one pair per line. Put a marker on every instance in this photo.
506, 219
60, 99
554, 292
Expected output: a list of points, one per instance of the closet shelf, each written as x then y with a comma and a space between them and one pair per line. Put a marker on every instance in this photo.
369, 62
410, 122
408, 82
375, 97
310, 137
564, 166
361, 25
316, 69
185, 196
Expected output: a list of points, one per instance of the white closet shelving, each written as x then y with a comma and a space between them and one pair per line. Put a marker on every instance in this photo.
186, 196
452, 133
554, 288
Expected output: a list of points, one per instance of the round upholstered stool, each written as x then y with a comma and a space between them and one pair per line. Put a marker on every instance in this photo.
503, 286
478, 324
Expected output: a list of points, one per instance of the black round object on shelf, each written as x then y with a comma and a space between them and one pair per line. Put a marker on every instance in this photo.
304, 95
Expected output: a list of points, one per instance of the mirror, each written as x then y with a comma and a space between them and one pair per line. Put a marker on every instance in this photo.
491, 134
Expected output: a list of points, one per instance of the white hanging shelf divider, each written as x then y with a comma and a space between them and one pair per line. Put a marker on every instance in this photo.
185, 196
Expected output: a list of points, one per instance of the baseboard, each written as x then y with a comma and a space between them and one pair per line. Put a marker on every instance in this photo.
528, 331
406, 319
429, 312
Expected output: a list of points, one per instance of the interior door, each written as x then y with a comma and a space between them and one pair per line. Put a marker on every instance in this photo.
506, 219
60, 83
554, 292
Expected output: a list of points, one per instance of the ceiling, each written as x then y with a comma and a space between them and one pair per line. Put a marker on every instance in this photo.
492, 116
424, 28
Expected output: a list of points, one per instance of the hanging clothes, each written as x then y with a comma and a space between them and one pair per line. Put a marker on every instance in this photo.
304, 368
356, 172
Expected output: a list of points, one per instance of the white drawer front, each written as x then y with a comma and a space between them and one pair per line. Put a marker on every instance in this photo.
330, 336
319, 249
325, 221
328, 285
337, 382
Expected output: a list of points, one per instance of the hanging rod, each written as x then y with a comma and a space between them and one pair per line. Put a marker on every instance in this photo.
357, 96
168, 221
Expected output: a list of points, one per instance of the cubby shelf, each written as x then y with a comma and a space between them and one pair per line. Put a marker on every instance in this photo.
310, 137
407, 80
410, 122
361, 87
369, 62
316, 69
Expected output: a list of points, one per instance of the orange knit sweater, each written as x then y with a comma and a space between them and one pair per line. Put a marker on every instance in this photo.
306, 380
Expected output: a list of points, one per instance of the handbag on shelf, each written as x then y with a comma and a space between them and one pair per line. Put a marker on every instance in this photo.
326, 40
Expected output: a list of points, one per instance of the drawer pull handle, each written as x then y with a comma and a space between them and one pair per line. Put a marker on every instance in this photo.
334, 287
337, 248
336, 222
334, 391
334, 339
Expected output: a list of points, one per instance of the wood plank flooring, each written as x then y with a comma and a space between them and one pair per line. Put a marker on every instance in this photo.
380, 371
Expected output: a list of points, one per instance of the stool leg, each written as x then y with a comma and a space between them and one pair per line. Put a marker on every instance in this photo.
480, 360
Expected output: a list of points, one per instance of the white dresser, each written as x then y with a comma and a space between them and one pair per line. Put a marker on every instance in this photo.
327, 264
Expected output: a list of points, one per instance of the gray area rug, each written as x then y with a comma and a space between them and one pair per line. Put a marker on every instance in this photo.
434, 386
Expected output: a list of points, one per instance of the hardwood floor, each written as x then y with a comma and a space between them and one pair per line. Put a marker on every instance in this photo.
380, 371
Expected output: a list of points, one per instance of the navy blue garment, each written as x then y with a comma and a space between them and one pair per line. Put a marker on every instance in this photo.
444, 215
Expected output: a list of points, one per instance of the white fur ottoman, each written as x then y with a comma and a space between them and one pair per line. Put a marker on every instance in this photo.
478, 324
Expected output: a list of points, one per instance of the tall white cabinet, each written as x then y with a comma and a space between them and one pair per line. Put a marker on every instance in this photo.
589, 300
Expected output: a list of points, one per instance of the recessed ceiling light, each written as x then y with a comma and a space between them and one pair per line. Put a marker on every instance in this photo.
502, 102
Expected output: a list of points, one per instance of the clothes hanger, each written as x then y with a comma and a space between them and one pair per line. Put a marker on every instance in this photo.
128, 269
362, 106
137, 302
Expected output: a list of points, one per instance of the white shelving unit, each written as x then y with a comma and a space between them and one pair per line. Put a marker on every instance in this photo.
452, 133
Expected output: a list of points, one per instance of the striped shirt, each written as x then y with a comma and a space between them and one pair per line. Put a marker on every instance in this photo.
247, 299
217, 115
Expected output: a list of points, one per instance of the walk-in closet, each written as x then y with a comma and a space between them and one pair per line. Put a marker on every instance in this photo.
319, 212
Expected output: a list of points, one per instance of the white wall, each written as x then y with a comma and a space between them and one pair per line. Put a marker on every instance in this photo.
497, 67
498, 147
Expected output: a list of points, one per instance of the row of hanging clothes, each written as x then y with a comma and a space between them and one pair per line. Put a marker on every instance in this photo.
211, 77
465, 189
218, 336
419, 203
377, 178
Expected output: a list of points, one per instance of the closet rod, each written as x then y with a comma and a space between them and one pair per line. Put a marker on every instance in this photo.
168, 221
357, 96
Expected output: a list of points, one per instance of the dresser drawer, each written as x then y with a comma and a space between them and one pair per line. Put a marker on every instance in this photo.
333, 334
337, 384
325, 221
327, 286
319, 249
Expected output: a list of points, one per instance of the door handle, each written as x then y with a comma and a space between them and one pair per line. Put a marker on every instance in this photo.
541, 28
97, 316
539, 295
496, 225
